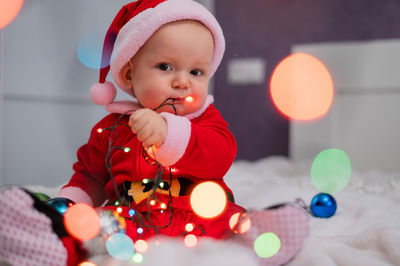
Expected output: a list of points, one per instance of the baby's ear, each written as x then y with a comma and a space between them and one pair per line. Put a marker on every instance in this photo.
126, 75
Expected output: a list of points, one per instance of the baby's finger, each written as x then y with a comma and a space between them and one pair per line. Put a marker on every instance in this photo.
154, 139
144, 134
135, 116
138, 125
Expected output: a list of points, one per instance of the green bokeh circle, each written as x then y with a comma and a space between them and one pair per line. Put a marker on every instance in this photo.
267, 245
330, 171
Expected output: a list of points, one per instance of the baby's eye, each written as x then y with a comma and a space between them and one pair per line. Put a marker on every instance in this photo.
164, 67
196, 72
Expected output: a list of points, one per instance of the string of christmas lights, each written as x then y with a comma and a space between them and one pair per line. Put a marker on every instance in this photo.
136, 216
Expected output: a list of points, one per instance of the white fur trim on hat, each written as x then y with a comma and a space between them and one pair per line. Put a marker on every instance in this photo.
140, 28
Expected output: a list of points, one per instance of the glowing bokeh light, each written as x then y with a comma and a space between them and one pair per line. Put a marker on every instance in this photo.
87, 263
90, 48
331, 171
9, 9
190, 240
137, 258
82, 221
208, 199
267, 245
120, 246
240, 223
301, 87
141, 246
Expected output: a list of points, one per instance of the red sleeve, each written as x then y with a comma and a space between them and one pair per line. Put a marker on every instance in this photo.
211, 148
90, 173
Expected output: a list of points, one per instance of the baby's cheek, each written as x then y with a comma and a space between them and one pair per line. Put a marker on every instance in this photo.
152, 97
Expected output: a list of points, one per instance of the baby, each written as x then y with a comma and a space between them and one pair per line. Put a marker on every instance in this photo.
149, 154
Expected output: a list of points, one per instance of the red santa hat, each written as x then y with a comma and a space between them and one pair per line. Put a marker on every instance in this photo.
134, 24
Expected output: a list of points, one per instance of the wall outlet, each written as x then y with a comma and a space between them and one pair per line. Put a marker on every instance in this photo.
246, 71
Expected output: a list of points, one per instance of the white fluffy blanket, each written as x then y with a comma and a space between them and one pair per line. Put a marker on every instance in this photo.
364, 231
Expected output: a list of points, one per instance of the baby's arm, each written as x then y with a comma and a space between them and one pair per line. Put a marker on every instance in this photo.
202, 147
150, 127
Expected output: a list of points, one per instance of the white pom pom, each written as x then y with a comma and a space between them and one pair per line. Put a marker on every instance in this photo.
103, 93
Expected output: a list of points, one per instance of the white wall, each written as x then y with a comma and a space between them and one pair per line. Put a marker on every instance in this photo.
364, 119
47, 114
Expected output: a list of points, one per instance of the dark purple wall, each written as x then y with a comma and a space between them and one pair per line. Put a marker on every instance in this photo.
267, 29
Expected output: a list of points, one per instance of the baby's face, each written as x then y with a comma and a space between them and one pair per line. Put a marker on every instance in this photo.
174, 63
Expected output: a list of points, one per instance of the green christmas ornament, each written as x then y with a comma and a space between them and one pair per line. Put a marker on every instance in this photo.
42, 196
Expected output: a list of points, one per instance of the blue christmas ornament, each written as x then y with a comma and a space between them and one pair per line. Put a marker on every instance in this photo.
60, 204
323, 205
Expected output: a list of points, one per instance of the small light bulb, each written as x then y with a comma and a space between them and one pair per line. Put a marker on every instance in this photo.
163, 206
189, 227
145, 181
152, 202
99, 130
119, 209
161, 184
127, 149
131, 212
189, 99
140, 230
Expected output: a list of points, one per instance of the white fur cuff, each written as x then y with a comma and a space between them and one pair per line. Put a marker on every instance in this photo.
176, 141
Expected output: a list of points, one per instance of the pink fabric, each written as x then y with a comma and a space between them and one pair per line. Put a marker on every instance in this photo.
122, 107
139, 29
75, 194
103, 93
26, 235
289, 223
175, 142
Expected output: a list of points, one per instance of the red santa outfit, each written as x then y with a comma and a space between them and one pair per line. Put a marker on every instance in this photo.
198, 147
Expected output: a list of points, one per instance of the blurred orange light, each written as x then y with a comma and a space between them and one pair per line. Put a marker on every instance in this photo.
82, 221
9, 10
141, 246
240, 223
190, 240
208, 199
302, 88
87, 263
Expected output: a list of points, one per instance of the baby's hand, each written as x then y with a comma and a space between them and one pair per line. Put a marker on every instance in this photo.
150, 127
